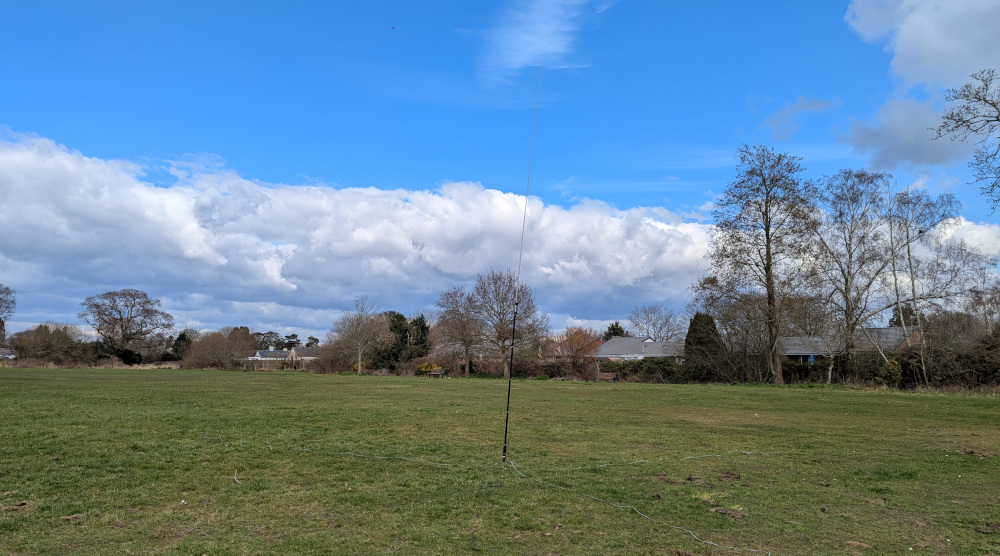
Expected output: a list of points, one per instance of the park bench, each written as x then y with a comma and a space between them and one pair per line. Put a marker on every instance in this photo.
613, 377
436, 373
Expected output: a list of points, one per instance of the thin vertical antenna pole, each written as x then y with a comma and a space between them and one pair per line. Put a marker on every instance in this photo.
520, 253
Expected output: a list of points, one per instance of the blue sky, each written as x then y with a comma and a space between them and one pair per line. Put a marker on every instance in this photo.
301, 153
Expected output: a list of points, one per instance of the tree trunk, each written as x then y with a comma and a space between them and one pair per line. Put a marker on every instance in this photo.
916, 314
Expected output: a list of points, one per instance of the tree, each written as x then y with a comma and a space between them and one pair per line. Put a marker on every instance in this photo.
312, 341
269, 340
226, 349
406, 340
761, 224
359, 329
499, 296
984, 298
615, 329
978, 118
292, 340
917, 218
458, 323
703, 348
903, 315
59, 344
656, 322
579, 346
8, 302
183, 341
125, 317
852, 248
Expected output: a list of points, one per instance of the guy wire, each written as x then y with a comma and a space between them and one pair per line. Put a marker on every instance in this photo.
520, 253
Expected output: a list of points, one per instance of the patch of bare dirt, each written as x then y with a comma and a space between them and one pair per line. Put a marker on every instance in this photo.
729, 512
74, 517
971, 452
989, 528
858, 544
679, 552
728, 476
699, 481
663, 477
22, 506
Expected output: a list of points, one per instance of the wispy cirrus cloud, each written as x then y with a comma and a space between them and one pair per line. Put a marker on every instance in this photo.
531, 32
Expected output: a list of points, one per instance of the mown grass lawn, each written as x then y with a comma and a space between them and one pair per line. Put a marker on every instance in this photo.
198, 462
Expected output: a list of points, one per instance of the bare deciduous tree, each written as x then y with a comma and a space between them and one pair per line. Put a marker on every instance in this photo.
762, 221
852, 247
124, 317
458, 324
498, 294
226, 349
360, 328
8, 302
978, 118
579, 346
657, 322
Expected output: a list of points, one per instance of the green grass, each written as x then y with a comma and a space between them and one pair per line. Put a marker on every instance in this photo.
313, 464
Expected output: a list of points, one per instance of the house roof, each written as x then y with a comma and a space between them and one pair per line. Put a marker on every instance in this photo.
272, 354
887, 339
307, 352
803, 345
628, 347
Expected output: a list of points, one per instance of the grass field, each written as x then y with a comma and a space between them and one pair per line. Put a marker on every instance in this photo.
193, 462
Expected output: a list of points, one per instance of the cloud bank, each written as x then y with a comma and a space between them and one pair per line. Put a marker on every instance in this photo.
934, 44
221, 250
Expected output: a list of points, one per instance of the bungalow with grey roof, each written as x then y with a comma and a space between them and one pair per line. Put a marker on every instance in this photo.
628, 348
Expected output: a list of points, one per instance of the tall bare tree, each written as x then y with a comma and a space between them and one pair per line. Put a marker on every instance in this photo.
125, 317
499, 295
977, 117
657, 322
915, 216
8, 302
360, 328
458, 324
852, 248
761, 223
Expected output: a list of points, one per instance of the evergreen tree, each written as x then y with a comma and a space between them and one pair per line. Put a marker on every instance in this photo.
615, 329
703, 348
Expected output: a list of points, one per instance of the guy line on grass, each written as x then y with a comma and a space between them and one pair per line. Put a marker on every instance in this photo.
514, 466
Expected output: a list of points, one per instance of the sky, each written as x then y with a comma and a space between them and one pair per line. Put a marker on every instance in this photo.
262, 163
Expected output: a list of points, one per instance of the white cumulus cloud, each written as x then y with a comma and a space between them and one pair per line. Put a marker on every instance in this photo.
935, 45
222, 250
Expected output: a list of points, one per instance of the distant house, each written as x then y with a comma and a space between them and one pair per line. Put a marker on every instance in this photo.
803, 349
809, 349
303, 354
627, 348
887, 340
279, 359
269, 355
